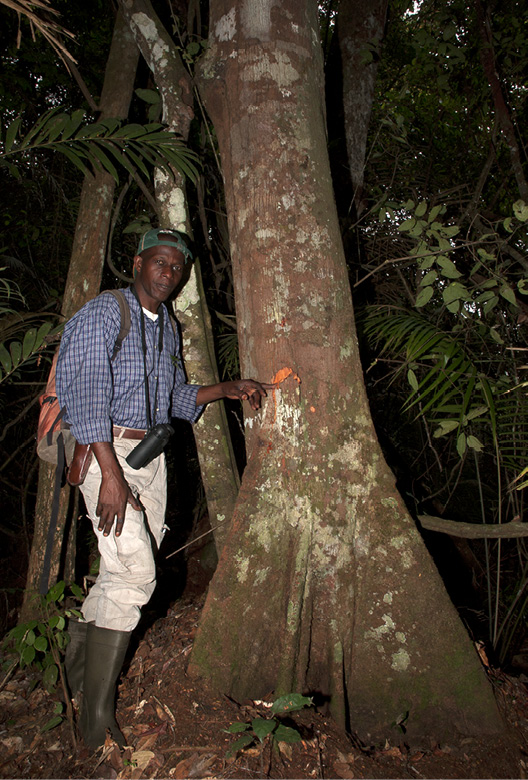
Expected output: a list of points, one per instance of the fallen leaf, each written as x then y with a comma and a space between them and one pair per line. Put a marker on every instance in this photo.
13, 743
286, 750
114, 755
142, 758
194, 766
343, 770
145, 743
395, 752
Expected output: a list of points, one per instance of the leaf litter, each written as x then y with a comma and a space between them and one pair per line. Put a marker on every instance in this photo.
176, 727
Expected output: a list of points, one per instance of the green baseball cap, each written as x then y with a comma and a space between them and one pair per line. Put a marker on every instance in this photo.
164, 237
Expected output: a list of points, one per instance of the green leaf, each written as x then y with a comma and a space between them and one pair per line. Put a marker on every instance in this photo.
449, 230
426, 262
461, 444
105, 161
495, 335
485, 296
240, 744
520, 209
236, 728
424, 296
435, 211
421, 208
30, 637
429, 278
50, 677
73, 125
55, 592
148, 95
445, 426
449, 269
508, 293
11, 134
15, 349
41, 644
262, 727
5, 359
290, 702
474, 443
489, 305
28, 345
412, 379
286, 734
74, 158
27, 656
76, 590
408, 224
454, 292
57, 126
52, 723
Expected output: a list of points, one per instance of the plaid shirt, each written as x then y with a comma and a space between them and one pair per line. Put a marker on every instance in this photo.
98, 392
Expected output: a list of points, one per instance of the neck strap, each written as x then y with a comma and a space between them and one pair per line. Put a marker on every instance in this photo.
151, 421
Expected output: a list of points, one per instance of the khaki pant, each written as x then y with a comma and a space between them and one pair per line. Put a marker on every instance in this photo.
127, 572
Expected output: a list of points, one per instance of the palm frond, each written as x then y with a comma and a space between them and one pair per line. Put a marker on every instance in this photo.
105, 145
452, 390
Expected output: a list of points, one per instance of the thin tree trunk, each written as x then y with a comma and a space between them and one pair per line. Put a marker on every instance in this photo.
324, 585
487, 57
361, 25
82, 284
213, 442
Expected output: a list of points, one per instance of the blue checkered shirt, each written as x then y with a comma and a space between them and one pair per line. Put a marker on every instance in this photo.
98, 392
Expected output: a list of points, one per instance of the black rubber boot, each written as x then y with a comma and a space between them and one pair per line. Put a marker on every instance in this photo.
74, 657
105, 653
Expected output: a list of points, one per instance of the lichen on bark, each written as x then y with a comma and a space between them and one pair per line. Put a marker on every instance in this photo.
320, 535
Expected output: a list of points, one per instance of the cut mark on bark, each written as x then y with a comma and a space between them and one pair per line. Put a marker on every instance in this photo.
280, 376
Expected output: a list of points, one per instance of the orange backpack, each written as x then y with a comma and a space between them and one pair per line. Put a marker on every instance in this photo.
51, 423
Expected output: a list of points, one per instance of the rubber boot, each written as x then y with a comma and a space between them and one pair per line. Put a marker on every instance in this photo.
105, 653
74, 656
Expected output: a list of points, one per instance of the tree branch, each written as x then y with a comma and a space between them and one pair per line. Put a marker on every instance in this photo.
473, 530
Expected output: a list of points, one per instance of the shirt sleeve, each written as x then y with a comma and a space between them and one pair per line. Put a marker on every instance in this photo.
84, 374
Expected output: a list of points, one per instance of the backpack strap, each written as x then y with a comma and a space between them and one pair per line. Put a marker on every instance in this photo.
124, 330
124, 309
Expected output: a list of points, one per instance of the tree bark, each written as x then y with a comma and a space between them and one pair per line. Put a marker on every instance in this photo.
487, 57
213, 441
361, 26
324, 585
82, 284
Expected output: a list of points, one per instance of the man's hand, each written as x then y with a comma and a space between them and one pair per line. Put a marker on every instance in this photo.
114, 493
241, 389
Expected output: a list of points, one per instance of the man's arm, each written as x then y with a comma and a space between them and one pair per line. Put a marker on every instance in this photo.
241, 389
115, 493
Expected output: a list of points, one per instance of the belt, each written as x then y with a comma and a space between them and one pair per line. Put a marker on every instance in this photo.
128, 433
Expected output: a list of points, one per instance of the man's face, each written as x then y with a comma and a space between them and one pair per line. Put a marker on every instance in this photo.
158, 271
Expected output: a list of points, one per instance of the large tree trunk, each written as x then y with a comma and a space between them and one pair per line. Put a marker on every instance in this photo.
82, 284
213, 442
324, 585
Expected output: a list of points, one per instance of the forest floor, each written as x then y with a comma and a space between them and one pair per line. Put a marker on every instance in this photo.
176, 728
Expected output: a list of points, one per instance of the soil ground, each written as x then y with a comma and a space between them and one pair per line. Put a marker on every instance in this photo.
176, 728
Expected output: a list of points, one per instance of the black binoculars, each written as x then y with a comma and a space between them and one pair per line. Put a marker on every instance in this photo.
151, 446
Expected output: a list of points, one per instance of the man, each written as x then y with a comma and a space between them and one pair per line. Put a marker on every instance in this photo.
111, 401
